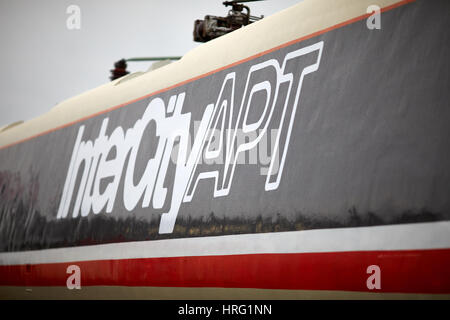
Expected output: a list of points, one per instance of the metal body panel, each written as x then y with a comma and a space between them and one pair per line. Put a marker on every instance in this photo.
359, 118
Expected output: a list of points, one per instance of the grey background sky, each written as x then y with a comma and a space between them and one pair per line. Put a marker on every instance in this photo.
44, 63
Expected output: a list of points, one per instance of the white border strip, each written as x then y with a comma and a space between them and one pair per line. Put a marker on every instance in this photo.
430, 235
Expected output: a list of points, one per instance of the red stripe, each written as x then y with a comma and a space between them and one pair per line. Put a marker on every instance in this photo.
309, 36
408, 271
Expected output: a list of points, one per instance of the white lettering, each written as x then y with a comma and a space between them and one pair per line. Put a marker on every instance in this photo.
220, 138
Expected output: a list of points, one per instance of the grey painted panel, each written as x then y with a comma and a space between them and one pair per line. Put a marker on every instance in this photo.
369, 145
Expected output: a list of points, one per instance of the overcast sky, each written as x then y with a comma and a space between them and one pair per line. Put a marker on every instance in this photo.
43, 62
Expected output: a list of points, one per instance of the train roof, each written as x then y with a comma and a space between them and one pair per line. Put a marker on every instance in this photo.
304, 20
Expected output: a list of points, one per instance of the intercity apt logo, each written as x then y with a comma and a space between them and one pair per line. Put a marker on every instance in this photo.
216, 136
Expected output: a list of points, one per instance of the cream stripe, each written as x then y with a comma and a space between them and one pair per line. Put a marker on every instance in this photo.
431, 235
